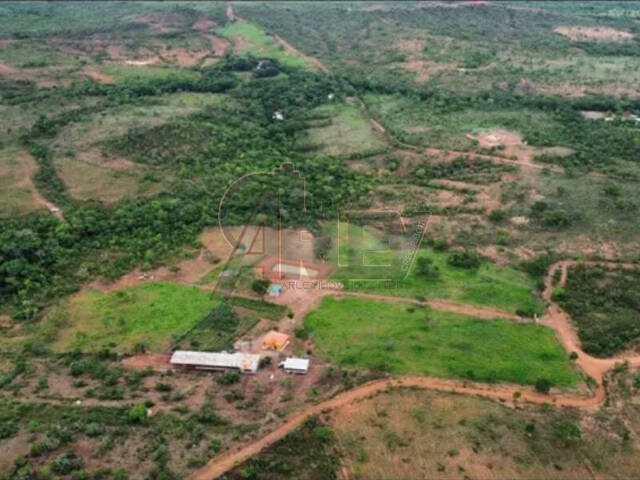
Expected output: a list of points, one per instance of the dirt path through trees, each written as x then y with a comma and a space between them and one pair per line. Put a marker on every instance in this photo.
554, 318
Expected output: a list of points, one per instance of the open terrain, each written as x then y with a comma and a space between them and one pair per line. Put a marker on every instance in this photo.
435, 202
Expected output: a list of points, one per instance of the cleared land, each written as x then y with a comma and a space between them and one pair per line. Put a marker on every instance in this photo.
402, 339
250, 38
148, 314
349, 132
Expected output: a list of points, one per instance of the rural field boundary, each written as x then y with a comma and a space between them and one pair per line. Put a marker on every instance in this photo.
554, 318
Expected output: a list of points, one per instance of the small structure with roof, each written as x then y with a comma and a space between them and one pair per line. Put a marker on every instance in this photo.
275, 290
244, 362
276, 340
296, 365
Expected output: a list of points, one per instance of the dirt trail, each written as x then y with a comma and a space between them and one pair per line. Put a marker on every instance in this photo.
230, 15
554, 318
487, 313
227, 461
294, 51
29, 168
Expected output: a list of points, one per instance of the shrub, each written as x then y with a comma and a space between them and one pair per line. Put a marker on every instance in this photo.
497, 215
228, 378
426, 269
466, 260
543, 385
137, 414
260, 286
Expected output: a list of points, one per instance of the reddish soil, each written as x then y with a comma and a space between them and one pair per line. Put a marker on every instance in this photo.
6, 69
98, 76
554, 318
156, 361
203, 25
219, 45
594, 33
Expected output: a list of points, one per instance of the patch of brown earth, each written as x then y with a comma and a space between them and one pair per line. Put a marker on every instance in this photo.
424, 68
155, 361
447, 198
96, 157
161, 21
5, 322
97, 75
411, 46
183, 57
219, 45
7, 69
593, 33
593, 115
494, 253
203, 25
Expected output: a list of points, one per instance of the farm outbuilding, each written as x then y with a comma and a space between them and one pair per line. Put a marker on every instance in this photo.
296, 365
244, 362
276, 340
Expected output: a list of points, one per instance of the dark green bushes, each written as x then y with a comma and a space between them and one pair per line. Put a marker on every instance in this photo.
605, 306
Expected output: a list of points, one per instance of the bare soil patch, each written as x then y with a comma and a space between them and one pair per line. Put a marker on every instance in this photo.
97, 75
593, 33
156, 361
161, 21
6, 69
203, 25
219, 45
593, 115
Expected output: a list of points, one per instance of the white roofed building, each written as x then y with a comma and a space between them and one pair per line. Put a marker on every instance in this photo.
296, 365
244, 362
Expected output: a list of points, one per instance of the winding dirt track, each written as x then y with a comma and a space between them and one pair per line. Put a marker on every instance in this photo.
554, 318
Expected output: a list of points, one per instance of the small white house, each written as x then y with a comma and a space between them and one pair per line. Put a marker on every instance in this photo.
244, 362
278, 115
296, 365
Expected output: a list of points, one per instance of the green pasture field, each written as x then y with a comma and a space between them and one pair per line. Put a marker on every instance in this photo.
260, 44
402, 339
150, 313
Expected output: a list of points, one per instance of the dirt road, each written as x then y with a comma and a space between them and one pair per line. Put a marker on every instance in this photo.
554, 318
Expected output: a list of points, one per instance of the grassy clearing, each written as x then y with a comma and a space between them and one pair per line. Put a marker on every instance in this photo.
250, 38
146, 73
16, 198
87, 181
489, 285
151, 313
401, 339
348, 133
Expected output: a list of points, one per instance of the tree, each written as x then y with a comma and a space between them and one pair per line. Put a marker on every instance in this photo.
260, 285
543, 385
426, 269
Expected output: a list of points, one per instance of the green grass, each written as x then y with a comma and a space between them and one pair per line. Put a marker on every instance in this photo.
151, 313
490, 285
145, 73
348, 133
256, 41
405, 340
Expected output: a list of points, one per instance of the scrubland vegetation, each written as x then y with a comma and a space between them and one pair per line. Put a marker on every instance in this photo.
123, 124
